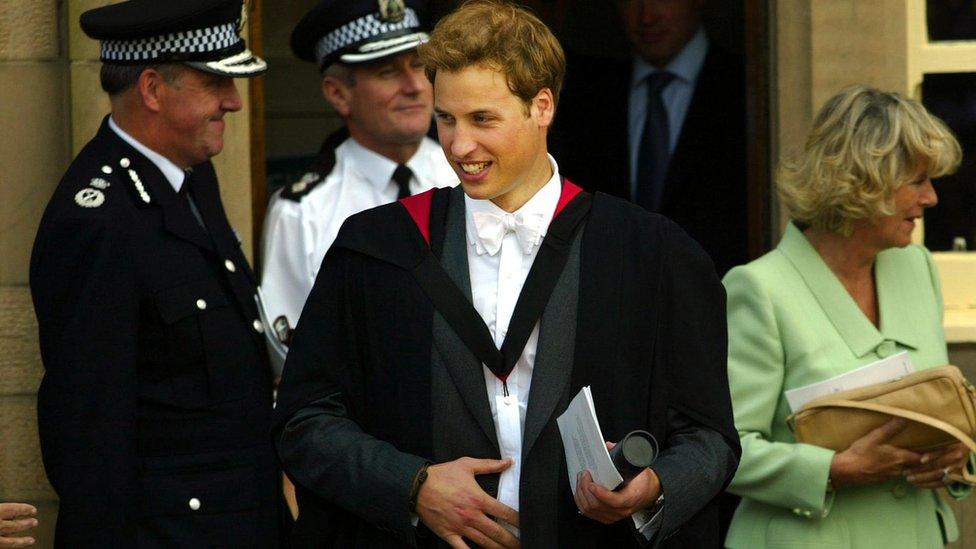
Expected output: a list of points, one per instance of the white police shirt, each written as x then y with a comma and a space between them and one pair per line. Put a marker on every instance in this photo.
298, 233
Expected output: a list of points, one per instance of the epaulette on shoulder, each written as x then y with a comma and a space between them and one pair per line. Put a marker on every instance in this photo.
95, 191
299, 189
321, 168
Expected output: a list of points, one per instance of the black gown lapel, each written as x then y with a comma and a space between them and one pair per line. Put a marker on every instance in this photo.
554, 354
464, 369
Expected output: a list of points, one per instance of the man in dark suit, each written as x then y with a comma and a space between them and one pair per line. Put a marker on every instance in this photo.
156, 399
446, 332
666, 128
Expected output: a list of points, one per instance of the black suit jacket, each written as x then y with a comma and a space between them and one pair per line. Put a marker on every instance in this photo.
376, 382
705, 189
156, 399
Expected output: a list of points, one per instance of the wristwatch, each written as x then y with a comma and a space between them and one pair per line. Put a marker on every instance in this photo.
418, 481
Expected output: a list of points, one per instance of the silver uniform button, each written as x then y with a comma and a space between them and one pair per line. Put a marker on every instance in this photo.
258, 326
124, 162
201, 304
230, 265
194, 504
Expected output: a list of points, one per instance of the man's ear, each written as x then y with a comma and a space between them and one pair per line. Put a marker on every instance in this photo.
151, 88
338, 94
544, 107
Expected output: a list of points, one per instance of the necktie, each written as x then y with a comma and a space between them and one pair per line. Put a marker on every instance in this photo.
402, 176
491, 229
186, 193
654, 152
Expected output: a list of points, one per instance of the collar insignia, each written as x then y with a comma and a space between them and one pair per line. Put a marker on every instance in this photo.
140, 188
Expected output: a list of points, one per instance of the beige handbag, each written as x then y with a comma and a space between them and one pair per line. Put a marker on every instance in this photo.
939, 402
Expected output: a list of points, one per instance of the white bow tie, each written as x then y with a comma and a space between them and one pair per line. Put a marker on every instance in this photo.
491, 229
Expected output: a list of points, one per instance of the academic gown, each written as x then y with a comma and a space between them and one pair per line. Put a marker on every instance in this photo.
377, 382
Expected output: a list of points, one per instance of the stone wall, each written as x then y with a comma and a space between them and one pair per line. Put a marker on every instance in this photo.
35, 150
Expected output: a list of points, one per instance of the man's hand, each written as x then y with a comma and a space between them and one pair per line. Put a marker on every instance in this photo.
600, 504
935, 464
16, 517
453, 506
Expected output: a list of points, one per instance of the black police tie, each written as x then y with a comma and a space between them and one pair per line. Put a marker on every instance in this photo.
186, 193
402, 175
654, 152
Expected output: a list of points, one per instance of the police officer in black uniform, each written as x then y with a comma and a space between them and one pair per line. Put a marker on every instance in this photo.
155, 405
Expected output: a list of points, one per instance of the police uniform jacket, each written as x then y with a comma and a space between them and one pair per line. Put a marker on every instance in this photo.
155, 404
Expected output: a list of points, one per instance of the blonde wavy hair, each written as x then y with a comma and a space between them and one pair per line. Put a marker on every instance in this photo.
501, 36
864, 145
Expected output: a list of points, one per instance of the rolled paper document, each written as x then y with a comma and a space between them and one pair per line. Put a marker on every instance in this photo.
634, 453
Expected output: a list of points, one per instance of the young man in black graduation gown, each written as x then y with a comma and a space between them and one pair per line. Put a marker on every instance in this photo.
400, 421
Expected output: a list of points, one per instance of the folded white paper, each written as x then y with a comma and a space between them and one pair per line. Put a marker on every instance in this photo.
888, 369
584, 443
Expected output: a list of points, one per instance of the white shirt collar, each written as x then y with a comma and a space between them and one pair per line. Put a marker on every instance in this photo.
544, 201
173, 173
685, 65
376, 168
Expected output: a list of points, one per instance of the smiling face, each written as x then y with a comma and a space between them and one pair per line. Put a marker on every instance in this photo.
192, 109
387, 105
493, 140
895, 231
658, 29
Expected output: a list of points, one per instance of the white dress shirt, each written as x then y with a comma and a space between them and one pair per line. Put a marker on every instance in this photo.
297, 234
173, 173
496, 281
676, 96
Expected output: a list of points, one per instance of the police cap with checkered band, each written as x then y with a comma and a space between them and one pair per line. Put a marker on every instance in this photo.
358, 31
204, 34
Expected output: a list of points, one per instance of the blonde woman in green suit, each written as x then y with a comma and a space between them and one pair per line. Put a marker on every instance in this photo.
844, 288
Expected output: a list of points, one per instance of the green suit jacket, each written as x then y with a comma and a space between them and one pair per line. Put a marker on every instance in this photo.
792, 323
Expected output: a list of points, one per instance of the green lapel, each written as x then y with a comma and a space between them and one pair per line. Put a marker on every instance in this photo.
897, 299
894, 298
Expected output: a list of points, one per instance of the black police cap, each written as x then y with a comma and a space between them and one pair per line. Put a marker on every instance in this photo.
204, 34
358, 31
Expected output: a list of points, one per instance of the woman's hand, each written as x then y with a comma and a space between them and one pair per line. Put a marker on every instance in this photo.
14, 518
935, 465
872, 460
